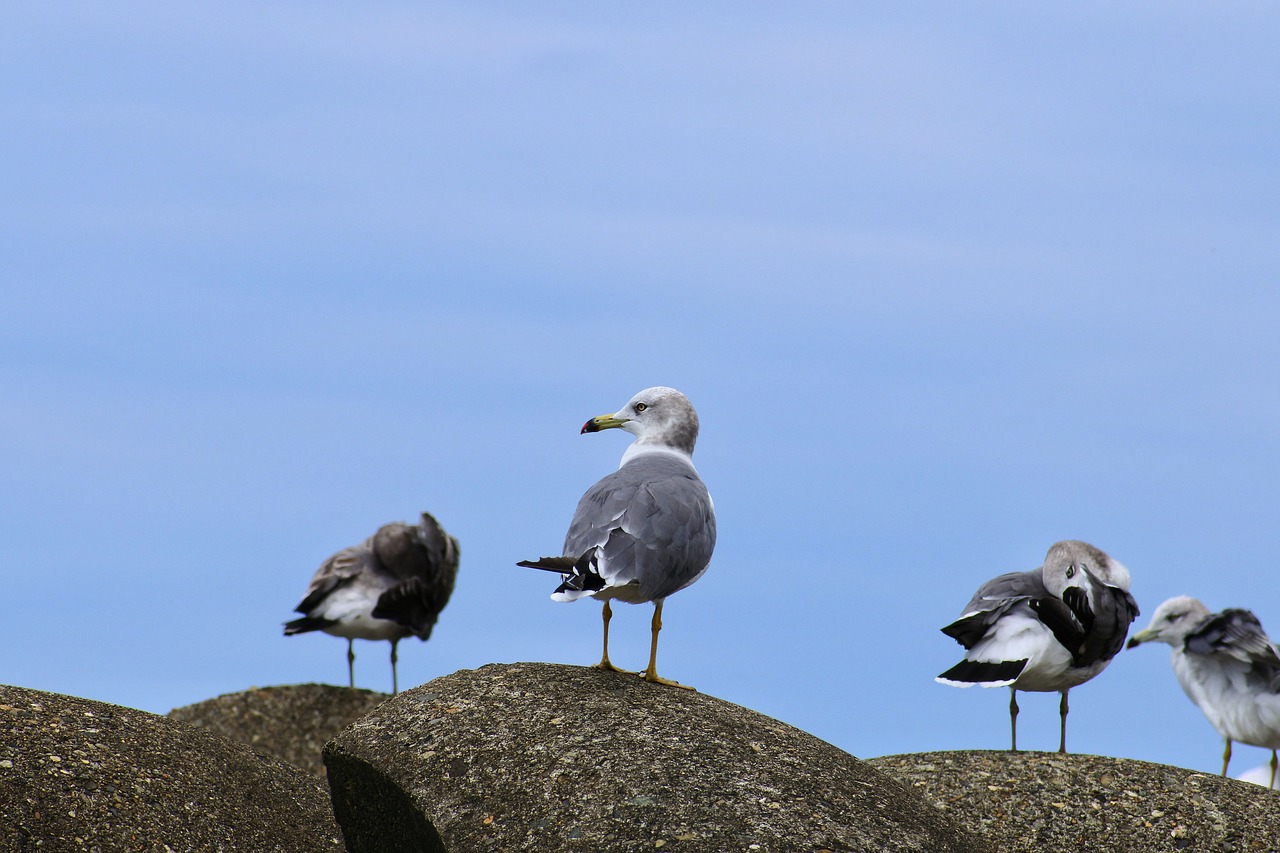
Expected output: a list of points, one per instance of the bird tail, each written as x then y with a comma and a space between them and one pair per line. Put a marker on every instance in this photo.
987, 673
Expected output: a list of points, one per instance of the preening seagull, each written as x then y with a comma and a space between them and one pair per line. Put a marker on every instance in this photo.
1046, 630
1227, 665
388, 587
648, 529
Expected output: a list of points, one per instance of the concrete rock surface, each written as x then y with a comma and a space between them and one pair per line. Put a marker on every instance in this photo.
82, 775
292, 721
1043, 801
544, 757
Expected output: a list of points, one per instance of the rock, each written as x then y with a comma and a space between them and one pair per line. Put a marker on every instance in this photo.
83, 775
292, 722
1041, 801
543, 757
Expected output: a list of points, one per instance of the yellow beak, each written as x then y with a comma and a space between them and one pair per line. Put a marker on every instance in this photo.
603, 422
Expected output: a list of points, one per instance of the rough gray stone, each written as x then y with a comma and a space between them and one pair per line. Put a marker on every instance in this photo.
292, 721
1042, 801
83, 775
544, 757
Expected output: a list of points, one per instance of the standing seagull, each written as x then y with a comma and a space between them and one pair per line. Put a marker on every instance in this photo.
1045, 630
393, 584
1227, 665
648, 529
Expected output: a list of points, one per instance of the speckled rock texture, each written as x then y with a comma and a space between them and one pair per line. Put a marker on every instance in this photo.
1042, 801
292, 721
83, 775
549, 758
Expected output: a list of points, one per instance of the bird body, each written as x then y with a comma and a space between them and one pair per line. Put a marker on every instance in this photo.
1046, 630
391, 586
638, 525
1227, 666
646, 530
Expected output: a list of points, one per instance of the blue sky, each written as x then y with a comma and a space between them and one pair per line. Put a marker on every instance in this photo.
946, 283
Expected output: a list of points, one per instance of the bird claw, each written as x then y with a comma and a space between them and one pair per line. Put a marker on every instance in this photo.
607, 666
653, 678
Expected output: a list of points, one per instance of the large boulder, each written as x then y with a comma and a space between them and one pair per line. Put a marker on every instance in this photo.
1039, 801
292, 721
83, 775
544, 757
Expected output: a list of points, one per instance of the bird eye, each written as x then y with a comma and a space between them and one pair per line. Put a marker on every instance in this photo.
1071, 570
640, 407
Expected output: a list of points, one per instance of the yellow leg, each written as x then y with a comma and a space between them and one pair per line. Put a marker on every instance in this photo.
651, 674
605, 663
1226, 757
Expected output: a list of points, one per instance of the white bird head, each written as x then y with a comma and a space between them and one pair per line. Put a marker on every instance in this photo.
1172, 622
659, 416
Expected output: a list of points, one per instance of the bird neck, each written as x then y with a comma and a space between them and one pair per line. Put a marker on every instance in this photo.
640, 448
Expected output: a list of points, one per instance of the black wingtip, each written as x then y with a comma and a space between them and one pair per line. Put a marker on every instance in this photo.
1078, 600
968, 630
549, 564
305, 624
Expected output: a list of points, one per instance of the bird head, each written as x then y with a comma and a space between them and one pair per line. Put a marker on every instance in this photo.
1073, 570
1172, 622
661, 416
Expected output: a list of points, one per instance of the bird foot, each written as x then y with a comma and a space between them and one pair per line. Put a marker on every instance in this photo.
653, 678
607, 666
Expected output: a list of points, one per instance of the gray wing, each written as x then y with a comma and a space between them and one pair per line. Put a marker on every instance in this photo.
1236, 633
350, 567
342, 568
1000, 590
992, 601
420, 564
652, 522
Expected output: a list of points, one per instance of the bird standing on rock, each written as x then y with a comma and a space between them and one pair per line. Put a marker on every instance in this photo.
391, 586
648, 529
1227, 665
1045, 630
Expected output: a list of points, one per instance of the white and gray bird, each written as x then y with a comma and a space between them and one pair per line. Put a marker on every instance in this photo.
1227, 665
391, 586
647, 530
1046, 630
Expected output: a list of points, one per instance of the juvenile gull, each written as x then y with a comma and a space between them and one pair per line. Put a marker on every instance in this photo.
393, 584
648, 529
1227, 665
1046, 630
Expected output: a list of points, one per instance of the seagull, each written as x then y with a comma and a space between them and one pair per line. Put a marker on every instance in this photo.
648, 529
393, 584
1046, 630
1227, 665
